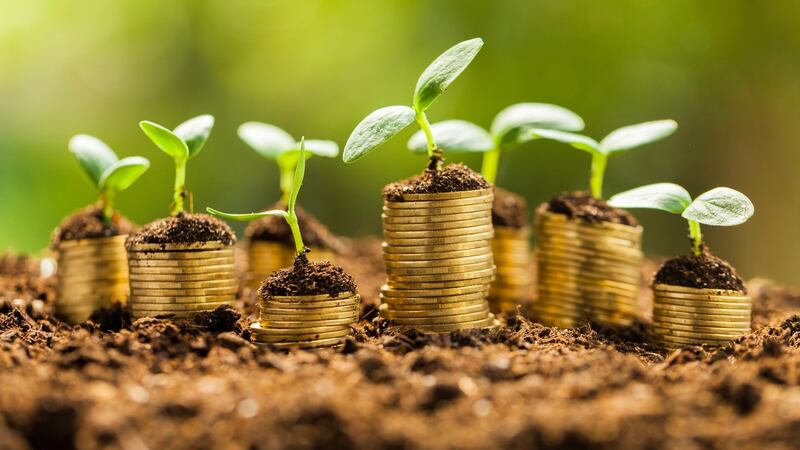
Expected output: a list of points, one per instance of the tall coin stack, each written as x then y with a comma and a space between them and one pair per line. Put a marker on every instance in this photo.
265, 257
310, 321
180, 280
691, 316
587, 271
92, 273
438, 257
512, 254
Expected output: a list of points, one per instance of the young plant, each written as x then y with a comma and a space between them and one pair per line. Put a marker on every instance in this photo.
182, 144
383, 124
617, 142
289, 215
509, 130
277, 145
720, 206
109, 174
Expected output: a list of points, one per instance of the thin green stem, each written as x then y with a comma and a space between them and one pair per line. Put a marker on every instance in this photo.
107, 203
291, 219
599, 161
422, 120
180, 187
696, 236
491, 161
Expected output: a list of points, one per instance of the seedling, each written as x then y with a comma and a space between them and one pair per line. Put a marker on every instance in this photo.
182, 144
109, 174
720, 206
508, 131
617, 142
384, 123
277, 145
289, 215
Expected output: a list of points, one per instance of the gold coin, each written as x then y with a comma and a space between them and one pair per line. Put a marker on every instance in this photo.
143, 299
311, 306
582, 288
437, 233
717, 315
277, 338
222, 283
439, 256
579, 254
520, 295
436, 196
702, 329
93, 242
580, 277
257, 328
434, 250
448, 328
92, 288
181, 270
439, 263
440, 302
138, 314
702, 303
309, 298
629, 271
436, 226
435, 308
511, 233
391, 313
434, 285
439, 320
703, 298
228, 275
308, 312
442, 273
206, 292
721, 323
173, 307
710, 308
698, 291
688, 334
587, 241
402, 243
308, 316
482, 200
553, 219
181, 256
388, 292
304, 323
94, 277
450, 219
90, 255
183, 263
94, 264
391, 212
194, 246
307, 345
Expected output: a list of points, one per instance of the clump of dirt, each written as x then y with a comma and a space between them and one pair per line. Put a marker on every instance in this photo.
452, 178
308, 278
581, 205
88, 223
509, 209
185, 228
275, 229
704, 271
15, 265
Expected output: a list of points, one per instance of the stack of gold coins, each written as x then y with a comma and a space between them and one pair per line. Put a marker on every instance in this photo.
180, 280
691, 316
92, 273
512, 255
265, 257
438, 256
310, 321
587, 271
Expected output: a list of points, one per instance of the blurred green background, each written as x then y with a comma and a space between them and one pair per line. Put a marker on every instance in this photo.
727, 70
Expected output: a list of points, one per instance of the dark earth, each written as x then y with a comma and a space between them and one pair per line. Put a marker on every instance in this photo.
88, 223
155, 384
704, 271
275, 229
452, 178
308, 278
185, 228
509, 209
581, 205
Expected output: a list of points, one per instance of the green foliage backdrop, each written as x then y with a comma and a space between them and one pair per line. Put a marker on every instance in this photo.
726, 70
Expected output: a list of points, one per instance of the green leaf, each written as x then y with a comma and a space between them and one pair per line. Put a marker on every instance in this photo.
627, 138
268, 140
93, 155
376, 129
667, 197
509, 125
122, 174
321, 147
245, 217
578, 141
444, 70
720, 206
299, 174
194, 132
457, 136
166, 140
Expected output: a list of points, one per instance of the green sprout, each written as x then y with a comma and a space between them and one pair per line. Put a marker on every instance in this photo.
109, 174
508, 131
275, 144
182, 144
616, 143
720, 206
384, 123
289, 215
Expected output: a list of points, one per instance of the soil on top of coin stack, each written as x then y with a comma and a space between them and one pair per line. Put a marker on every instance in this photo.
509, 209
185, 228
308, 278
88, 223
275, 229
703, 272
452, 178
581, 205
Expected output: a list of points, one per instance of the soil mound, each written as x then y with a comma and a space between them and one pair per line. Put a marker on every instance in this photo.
581, 205
452, 178
704, 271
88, 223
509, 209
308, 278
275, 229
184, 229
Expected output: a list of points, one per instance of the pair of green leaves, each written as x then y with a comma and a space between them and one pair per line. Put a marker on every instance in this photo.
381, 125
183, 143
276, 144
618, 141
108, 173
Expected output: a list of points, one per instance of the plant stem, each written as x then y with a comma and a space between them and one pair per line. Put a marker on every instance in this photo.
599, 161
107, 203
422, 120
291, 219
696, 236
286, 180
180, 184
491, 160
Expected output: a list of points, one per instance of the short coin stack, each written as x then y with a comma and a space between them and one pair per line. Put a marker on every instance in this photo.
305, 321
512, 254
92, 273
180, 280
438, 257
265, 257
587, 271
691, 316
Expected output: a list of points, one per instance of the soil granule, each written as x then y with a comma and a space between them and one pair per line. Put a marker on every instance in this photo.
184, 229
452, 178
88, 223
308, 278
509, 209
581, 205
704, 272
275, 229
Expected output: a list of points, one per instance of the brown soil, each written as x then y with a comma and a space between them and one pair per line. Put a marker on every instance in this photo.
184, 229
275, 229
509, 209
452, 178
581, 205
704, 271
88, 223
308, 278
200, 384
